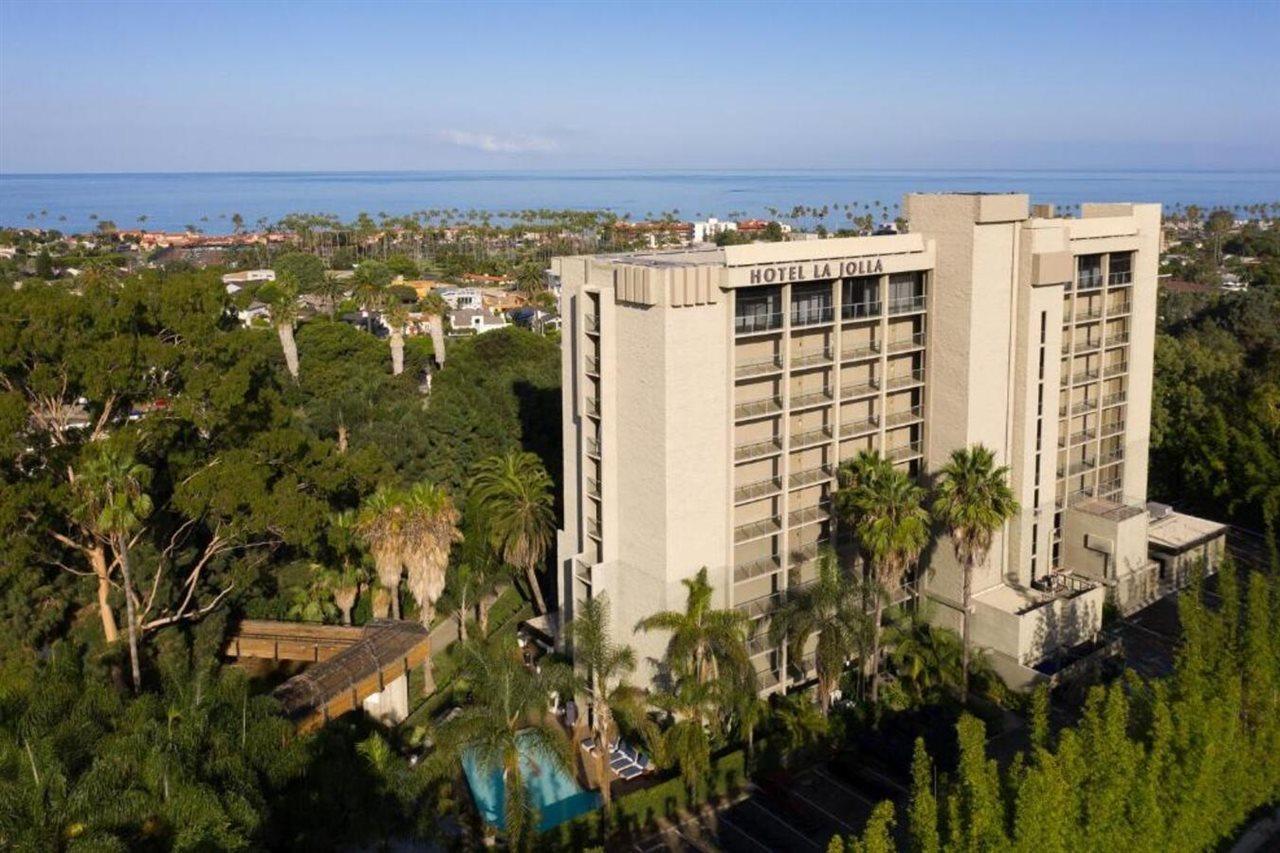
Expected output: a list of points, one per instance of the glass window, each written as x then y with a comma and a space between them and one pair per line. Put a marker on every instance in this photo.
906, 291
1121, 267
1089, 271
758, 309
860, 297
811, 303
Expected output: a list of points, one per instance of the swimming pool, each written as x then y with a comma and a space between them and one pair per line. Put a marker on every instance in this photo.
556, 794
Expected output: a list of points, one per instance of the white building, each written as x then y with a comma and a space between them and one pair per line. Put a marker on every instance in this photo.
705, 232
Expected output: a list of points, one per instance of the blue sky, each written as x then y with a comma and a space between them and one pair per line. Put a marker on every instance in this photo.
103, 86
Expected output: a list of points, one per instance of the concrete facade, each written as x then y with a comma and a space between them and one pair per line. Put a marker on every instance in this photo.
710, 395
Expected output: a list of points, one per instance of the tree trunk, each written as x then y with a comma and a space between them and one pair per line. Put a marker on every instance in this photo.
285, 330
532, 578
98, 559
343, 437
875, 651
394, 593
131, 625
967, 568
482, 615
397, 351
437, 339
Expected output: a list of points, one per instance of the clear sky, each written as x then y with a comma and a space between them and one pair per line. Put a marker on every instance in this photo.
178, 86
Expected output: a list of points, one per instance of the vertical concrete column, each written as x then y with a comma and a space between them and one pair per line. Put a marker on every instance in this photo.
391, 705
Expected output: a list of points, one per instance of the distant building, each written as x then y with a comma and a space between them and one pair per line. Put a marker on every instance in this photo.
474, 321
459, 298
705, 232
235, 281
536, 319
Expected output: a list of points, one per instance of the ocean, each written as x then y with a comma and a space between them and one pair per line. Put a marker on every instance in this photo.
208, 200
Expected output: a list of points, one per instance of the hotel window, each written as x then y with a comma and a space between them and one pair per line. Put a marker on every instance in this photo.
906, 291
1089, 271
758, 310
860, 297
1121, 268
811, 303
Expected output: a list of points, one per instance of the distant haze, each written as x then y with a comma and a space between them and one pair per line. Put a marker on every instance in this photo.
193, 86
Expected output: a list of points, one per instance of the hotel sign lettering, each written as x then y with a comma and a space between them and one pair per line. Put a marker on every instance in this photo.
816, 270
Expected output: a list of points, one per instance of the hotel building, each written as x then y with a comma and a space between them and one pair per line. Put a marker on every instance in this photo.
710, 395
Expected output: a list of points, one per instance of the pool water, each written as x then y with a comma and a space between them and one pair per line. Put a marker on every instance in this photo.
556, 794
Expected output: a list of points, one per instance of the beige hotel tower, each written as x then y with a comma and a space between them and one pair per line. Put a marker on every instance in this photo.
711, 393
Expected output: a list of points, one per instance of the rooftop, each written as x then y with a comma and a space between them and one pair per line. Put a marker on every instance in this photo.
1110, 510
1176, 531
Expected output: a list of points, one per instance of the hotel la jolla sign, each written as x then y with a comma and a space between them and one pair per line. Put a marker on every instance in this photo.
815, 270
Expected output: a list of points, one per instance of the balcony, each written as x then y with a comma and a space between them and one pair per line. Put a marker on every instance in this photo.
914, 341
799, 556
761, 606
811, 398
757, 490
1108, 488
862, 426
1082, 465
809, 476
753, 324
1119, 309
757, 408
1066, 347
905, 451
760, 645
593, 365
808, 316
1082, 436
757, 450
1088, 346
808, 515
1088, 315
909, 416
907, 304
811, 437
591, 322
1091, 280
593, 446
1116, 369
582, 571
810, 359
1114, 428
1117, 339
860, 310
593, 528
1111, 457
593, 487
1114, 399
859, 389
758, 367
593, 406
1085, 405
756, 568
1119, 278
906, 380
756, 529
1083, 376
870, 350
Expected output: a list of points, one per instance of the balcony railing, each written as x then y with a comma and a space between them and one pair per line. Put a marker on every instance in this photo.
914, 377
1084, 376
758, 367
1081, 465
593, 365
905, 451
1083, 435
907, 304
1120, 277
591, 323
862, 426
812, 398
1086, 405
1114, 428
1114, 399
760, 645
1089, 280
860, 310
758, 408
1118, 339
809, 476
756, 568
807, 316
593, 406
865, 351
758, 489
756, 449
913, 341
1119, 309
808, 515
1109, 487
1088, 315
749, 324
810, 437
804, 553
1111, 456
1088, 345
911, 415
756, 529
1116, 369
761, 606
811, 358
860, 389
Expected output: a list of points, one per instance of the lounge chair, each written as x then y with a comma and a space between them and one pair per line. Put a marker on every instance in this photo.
631, 771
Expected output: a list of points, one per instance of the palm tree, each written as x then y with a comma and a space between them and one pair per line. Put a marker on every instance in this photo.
114, 501
892, 527
705, 642
506, 717
926, 658
694, 718
513, 494
381, 524
833, 608
371, 279
397, 317
430, 529
283, 308
973, 501
607, 664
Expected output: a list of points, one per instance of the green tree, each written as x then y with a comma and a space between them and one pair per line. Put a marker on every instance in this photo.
922, 814
977, 812
707, 644
513, 494
370, 288
282, 303
973, 501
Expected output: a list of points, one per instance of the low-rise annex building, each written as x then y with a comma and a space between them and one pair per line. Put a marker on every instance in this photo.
711, 393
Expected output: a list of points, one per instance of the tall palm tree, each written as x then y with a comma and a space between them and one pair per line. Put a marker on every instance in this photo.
431, 528
397, 317
504, 718
114, 501
705, 642
973, 501
370, 285
607, 664
381, 524
833, 609
283, 308
513, 494
892, 527
695, 718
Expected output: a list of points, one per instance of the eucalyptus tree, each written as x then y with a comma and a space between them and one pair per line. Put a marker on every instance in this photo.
973, 501
513, 495
832, 608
